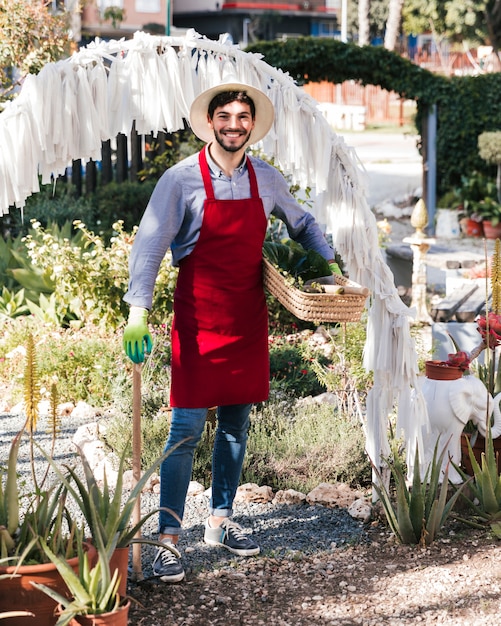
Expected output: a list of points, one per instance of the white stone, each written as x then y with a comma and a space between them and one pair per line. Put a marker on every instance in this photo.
360, 509
83, 410
195, 488
86, 433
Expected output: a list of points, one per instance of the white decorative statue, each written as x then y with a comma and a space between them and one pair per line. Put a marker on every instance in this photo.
450, 404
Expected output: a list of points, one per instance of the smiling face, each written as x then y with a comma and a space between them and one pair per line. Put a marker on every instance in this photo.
232, 124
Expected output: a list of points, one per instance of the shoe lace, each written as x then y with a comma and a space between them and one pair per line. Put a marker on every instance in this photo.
166, 556
234, 528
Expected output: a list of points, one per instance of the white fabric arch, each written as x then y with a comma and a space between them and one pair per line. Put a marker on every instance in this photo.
71, 106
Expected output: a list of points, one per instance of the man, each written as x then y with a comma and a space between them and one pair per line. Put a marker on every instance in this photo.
212, 210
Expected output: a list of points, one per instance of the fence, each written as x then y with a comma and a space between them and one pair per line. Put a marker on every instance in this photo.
352, 106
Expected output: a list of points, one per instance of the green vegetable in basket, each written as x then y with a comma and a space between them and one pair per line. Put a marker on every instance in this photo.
292, 258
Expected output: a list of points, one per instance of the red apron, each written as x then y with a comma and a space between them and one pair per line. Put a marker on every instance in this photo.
220, 327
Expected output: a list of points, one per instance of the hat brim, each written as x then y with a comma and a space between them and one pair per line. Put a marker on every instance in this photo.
265, 113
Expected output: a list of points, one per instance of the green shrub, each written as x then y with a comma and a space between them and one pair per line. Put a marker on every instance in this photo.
300, 446
290, 367
123, 202
84, 279
83, 362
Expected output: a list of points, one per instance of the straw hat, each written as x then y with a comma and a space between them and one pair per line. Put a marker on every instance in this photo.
264, 111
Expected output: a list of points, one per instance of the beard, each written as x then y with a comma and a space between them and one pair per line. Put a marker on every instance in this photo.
228, 145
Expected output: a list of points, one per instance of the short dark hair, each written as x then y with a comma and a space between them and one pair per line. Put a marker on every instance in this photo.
225, 97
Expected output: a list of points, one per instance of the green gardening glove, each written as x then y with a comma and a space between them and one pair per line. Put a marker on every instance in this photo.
137, 339
334, 268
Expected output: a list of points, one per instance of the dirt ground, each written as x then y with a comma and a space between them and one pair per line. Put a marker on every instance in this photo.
456, 581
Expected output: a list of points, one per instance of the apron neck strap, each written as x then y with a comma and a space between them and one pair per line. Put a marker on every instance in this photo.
209, 190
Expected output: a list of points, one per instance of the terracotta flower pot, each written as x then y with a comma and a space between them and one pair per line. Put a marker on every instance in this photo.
117, 618
490, 231
438, 370
471, 228
478, 447
18, 593
120, 561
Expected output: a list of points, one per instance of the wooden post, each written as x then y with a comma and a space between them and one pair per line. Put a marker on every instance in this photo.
106, 170
137, 569
122, 158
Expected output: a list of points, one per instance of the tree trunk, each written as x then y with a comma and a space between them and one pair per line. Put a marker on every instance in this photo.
363, 22
393, 24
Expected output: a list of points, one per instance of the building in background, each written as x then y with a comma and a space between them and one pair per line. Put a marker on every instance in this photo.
244, 22
251, 20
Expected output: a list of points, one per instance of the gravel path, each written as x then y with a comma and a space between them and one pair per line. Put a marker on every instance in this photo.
280, 530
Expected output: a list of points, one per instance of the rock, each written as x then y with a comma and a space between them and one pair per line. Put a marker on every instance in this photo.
85, 434
83, 410
105, 467
65, 409
250, 492
195, 488
323, 398
360, 509
333, 495
289, 496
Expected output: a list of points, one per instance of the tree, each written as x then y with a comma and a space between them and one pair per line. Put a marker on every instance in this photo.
30, 36
465, 22
363, 22
393, 24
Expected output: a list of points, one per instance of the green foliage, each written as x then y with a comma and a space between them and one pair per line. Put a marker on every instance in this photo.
466, 105
291, 373
298, 446
73, 278
107, 513
485, 490
478, 196
12, 304
30, 36
164, 151
422, 509
489, 146
344, 374
94, 590
124, 202
84, 363
115, 15
292, 258
26, 519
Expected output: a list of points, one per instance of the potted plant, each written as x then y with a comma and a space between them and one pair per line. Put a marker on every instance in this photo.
44, 519
455, 367
481, 203
106, 513
27, 519
95, 598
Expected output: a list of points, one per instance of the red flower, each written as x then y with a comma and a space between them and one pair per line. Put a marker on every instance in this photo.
459, 359
490, 329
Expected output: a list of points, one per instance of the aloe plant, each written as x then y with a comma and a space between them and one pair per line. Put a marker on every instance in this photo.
94, 590
422, 509
485, 488
44, 517
108, 518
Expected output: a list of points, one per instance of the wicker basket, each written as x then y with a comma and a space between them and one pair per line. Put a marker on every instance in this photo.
314, 307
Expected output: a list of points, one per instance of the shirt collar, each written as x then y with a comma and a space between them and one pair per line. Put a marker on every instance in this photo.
216, 170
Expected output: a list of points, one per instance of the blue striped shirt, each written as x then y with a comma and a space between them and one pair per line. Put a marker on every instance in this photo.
174, 214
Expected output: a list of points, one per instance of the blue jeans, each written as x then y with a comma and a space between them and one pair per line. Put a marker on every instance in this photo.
227, 459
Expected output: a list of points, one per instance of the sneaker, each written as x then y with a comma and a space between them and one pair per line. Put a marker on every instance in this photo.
167, 564
231, 536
